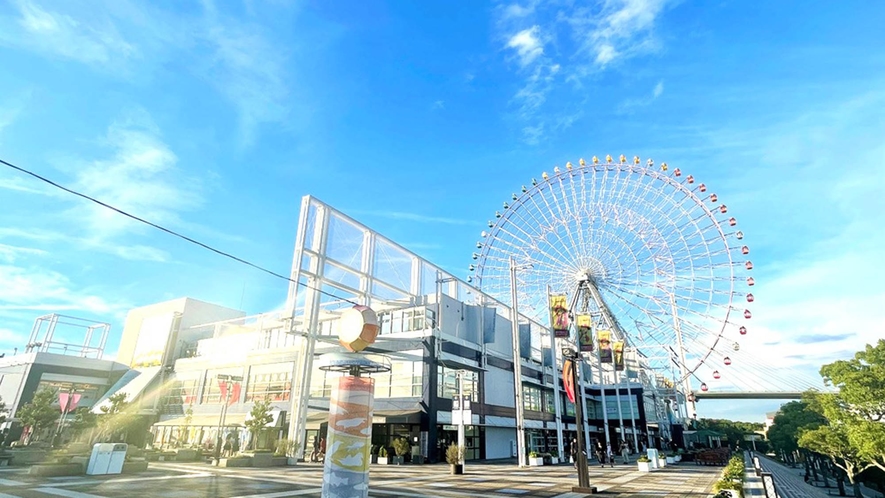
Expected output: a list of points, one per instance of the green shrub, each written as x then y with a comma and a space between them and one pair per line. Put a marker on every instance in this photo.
401, 446
643, 458
382, 453
454, 454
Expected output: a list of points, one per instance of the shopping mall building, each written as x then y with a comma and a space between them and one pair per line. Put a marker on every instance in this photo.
189, 359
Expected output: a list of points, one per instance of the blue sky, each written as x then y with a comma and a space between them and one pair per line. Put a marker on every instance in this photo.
419, 119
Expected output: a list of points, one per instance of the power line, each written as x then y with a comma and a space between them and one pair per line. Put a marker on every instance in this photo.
169, 231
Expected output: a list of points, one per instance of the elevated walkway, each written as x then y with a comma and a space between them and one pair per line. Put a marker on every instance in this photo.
790, 482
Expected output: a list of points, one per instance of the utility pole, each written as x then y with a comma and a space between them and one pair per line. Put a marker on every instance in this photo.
461, 416
517, 368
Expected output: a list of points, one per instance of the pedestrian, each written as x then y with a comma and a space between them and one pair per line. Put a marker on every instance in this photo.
600, 455
625, 452
573, 452
609, 455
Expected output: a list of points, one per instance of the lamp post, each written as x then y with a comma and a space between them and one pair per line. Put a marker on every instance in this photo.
225, 400
517, 365
570, 355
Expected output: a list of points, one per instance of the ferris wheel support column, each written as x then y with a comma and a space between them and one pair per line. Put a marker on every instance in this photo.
690, 408
617, 382
517, 368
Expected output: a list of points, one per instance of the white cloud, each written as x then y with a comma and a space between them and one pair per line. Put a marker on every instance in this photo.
528, 45
37, 288
439, 104
408, 216
518, 11
139, 177
629, 105
620, 29
90, 40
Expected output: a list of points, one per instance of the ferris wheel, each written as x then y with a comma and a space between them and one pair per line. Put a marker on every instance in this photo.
660, 252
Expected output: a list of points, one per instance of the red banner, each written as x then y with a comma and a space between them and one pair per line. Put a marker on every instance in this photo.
568, 379
222, 386
235, 394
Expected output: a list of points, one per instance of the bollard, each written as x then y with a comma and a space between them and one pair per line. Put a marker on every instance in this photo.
768, 484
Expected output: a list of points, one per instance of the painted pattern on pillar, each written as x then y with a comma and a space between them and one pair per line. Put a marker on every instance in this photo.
346, 469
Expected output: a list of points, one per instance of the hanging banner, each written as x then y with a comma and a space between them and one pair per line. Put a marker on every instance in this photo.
618, 347
568, 379
559, 315
605, 345
585, 332
235, 394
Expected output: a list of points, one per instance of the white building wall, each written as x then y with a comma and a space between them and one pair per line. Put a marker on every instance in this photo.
498, 387
499, 441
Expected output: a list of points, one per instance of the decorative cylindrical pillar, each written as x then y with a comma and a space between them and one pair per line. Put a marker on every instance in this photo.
349, 439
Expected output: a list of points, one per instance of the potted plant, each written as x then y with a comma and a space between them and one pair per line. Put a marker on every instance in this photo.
643, 463
535, 460
454, 457
662, 461
402, 448
373, 454
382, 455
554, 457
671, 458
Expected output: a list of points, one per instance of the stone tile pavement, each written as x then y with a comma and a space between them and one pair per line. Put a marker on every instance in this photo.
488, 480
789, 482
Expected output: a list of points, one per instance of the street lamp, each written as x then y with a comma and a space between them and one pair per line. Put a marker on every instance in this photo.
570, 355
224, 396
517, 364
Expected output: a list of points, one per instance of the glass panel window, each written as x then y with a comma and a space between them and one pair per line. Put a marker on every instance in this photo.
549, 401
531, 398
569, 406
447, 383
211, 389
269, 382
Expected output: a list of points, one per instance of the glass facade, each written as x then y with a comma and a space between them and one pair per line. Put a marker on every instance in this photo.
447, 383
269, 382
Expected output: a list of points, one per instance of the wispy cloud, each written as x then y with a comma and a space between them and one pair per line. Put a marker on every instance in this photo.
527, 44
37, 288
630, 105
420, 218
229, 52
92, 40
140, 176
616, 29
438, 105
596, 37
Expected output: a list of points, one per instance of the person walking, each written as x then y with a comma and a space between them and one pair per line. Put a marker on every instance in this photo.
600, 454
573, 452
609, 455
625, 452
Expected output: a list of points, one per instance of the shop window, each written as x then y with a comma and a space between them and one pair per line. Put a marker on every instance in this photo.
447, 383
531, 398
269, 382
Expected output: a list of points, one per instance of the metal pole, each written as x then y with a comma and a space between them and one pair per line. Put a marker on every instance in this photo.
630, 396
581, 462
617, 382
517, 368
461, 416
557, 403
602, 395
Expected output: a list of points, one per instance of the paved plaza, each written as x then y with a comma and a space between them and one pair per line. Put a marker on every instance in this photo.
409, 481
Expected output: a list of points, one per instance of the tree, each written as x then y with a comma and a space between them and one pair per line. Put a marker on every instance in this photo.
834, 440
2, 411
39, 413
84, 420
734, 431
116, 418
861, 400
260, 417
790, 421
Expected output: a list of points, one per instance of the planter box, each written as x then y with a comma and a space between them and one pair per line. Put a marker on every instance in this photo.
187, 455
457, 469
382, 460
279, 461
644, 466
135, 467
554, 461
262, 459
536, 462
235, 462
662, 462
56, 469
671, 460
398, 460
